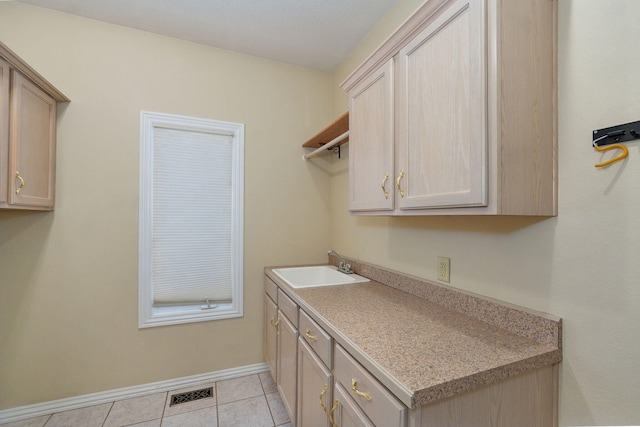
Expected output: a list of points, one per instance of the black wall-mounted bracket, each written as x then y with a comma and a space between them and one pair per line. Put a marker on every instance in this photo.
336, 150
616, 134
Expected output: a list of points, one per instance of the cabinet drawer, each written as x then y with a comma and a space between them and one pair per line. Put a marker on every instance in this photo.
288, 307
376, 401
316, 337
271, 289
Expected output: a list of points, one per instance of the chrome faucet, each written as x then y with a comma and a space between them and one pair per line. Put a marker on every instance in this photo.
343, 267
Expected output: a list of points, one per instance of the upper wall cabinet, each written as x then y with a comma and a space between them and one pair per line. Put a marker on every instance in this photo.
28, 106
371, 125
455, 114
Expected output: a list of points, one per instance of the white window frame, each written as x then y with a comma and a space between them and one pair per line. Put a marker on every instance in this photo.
148, 316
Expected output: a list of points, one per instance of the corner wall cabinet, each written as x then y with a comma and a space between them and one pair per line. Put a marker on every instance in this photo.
455, 114
28, 107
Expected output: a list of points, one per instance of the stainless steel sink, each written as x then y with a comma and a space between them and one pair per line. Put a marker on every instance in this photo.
314, 276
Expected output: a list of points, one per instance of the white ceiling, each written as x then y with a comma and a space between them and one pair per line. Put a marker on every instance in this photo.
317, 34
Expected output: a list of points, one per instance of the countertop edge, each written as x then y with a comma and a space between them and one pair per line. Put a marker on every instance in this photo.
484, 378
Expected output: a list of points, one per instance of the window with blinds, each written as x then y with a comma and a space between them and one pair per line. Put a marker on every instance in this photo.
191, 213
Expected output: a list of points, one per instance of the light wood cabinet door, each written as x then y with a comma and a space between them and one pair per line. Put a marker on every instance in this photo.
286, 371
345, 413
5, 74
371, 142
32, 145
315, 387
270, 334
441, 139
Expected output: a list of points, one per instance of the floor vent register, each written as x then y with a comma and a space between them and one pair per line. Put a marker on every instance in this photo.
190, 396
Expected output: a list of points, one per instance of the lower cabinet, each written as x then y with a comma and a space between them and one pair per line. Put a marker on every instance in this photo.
315, 379
344, 412
287, 365
281, 344
301, 356
270, 334
527, 400
315, 386
378, 404
322, 385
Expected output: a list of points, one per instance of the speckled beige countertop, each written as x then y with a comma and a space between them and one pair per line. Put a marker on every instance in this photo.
425, 341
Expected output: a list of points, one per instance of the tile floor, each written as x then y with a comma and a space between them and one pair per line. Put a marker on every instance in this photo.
250, 401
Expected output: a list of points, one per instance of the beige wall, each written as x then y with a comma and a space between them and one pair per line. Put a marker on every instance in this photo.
68, 279
583, 265
68, 285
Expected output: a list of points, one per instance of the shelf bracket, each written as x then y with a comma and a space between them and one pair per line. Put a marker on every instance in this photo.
326, 146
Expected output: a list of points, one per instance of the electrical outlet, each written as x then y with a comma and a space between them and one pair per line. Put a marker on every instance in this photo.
443, 269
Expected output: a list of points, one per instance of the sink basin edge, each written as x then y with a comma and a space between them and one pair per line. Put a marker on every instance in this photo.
316, 276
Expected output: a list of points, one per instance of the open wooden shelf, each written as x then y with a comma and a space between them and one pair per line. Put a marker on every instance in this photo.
328, 134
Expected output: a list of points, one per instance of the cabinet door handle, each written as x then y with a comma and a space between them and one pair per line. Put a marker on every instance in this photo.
322, 393
354, 387
275, 325
311, 337
19, 178
398, 183
383, 185
333, 409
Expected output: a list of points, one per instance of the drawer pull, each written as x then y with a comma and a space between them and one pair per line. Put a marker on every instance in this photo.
311, 337
324, 390
331, 420
354, 387
275, 324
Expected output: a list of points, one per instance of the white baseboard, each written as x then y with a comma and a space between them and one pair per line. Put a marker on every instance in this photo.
67, 404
